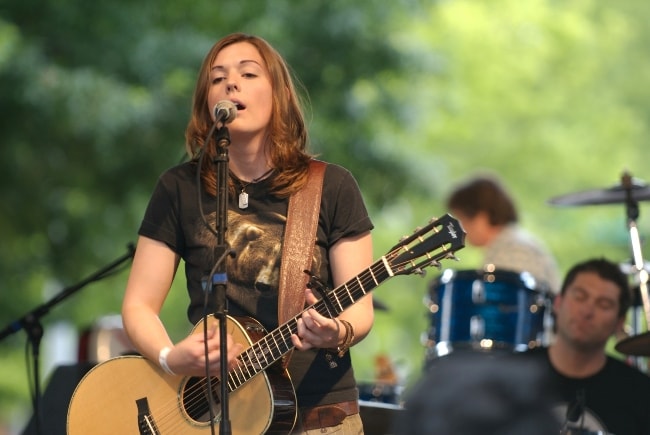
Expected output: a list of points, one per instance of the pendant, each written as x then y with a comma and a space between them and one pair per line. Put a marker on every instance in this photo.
243, 200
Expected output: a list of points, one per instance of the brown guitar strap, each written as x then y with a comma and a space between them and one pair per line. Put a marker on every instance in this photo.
298, 245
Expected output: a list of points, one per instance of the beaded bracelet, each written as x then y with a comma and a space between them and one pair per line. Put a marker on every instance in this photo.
347, 341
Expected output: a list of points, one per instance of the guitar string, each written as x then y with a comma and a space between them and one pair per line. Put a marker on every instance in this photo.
196, 394
354, 287
349, 292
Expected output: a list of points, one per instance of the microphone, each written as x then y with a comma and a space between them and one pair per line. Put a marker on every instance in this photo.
224, 112
574, 413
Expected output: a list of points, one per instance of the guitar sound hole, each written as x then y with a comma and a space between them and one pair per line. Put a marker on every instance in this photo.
196, 401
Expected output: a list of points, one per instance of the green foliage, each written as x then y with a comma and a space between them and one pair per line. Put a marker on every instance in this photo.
411, 96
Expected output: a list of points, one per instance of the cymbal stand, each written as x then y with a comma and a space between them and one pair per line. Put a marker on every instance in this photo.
632, 209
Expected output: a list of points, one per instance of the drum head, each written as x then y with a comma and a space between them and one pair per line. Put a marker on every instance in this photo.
105, 339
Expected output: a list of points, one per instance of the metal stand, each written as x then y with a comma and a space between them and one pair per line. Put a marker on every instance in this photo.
218, 279
30, 322
639, 343
629, 192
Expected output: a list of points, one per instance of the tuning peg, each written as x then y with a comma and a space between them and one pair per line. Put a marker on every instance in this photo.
419, 271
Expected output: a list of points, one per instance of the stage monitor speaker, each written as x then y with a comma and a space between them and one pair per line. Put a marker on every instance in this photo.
56, 398
378, 418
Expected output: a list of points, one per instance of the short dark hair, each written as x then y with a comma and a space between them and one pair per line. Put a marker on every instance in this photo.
473, 393
484, 193
608, 271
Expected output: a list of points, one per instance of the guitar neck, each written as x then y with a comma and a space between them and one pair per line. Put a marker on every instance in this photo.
274, 345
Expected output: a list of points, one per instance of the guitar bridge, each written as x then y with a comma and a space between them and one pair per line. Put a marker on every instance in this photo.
146, 425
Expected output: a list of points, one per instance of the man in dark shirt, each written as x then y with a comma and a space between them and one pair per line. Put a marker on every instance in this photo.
596, 393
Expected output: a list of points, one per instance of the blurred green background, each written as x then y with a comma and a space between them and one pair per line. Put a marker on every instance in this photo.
412, 96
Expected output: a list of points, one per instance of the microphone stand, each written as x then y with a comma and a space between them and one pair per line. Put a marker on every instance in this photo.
30, 322
219, 278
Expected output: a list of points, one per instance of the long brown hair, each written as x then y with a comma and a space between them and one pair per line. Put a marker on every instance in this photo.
287, 134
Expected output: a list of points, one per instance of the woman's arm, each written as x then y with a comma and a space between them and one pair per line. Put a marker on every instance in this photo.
348, 257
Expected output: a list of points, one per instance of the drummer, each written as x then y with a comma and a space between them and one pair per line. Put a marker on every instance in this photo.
597, 392
489, 216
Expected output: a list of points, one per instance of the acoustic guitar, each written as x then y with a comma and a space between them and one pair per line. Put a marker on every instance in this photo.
129, 395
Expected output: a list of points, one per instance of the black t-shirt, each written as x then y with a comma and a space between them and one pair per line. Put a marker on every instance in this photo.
616, 399
255, 234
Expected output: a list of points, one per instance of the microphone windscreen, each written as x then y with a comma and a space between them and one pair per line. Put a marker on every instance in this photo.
225, 111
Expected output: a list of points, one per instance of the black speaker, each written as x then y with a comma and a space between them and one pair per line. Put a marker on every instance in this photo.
56, 398
378, 418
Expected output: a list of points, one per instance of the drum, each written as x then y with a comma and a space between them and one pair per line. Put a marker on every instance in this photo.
379, 392
479, 310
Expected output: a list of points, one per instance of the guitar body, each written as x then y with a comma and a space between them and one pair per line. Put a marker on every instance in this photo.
130, 395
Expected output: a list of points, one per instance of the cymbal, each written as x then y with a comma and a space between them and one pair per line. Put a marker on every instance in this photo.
639, 191
638, 345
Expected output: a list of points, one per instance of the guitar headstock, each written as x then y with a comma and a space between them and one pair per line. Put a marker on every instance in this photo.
427, 246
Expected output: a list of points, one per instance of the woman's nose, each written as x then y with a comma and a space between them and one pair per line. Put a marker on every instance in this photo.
232, 87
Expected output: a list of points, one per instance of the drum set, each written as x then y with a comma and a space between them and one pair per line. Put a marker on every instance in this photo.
492, 309
486, 310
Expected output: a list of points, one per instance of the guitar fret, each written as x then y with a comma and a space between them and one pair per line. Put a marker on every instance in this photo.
262, 353
233, 379
283, 337
275, 342
245, 358
345, 286
273, 348
252, 364
250, 368
232, 385
236, 379
290, 327
248, 362
372, 275
361, 286
338, 302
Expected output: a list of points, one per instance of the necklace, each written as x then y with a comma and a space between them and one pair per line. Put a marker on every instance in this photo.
243, 196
